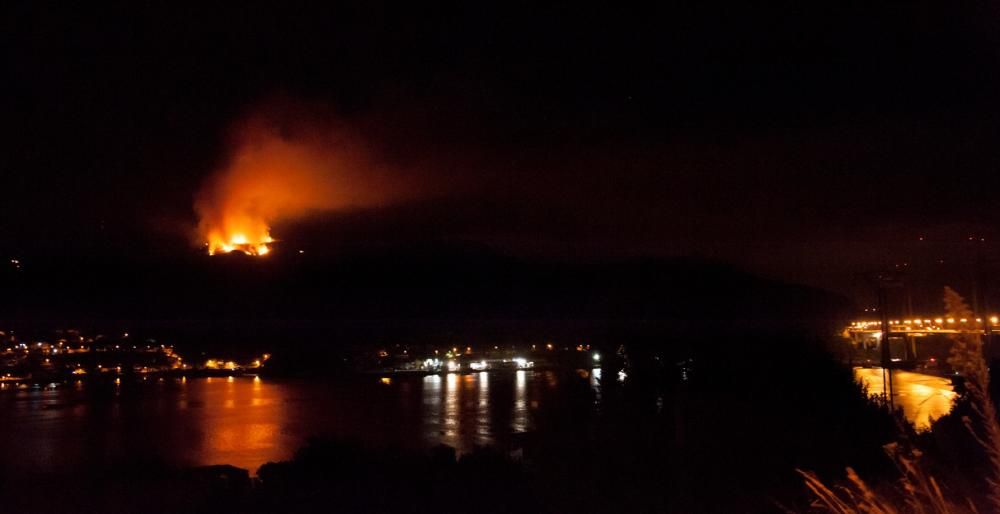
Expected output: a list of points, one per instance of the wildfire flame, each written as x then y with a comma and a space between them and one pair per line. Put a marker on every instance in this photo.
239, 242
282, 171
269, 178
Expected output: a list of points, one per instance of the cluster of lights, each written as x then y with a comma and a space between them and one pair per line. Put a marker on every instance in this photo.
456, 351
456, 359
480, 365
921, 323
233, 365
61, 348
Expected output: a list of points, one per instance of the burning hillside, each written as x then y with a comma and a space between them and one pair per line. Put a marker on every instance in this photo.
276, 176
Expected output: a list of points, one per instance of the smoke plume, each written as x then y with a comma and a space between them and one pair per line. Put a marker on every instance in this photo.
282, 172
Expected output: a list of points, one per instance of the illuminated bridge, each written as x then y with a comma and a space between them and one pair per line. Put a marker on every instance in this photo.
904, 333
921, 326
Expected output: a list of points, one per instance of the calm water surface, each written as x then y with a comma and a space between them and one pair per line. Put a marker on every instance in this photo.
246, 421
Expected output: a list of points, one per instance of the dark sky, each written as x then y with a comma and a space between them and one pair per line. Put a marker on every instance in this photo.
807, 141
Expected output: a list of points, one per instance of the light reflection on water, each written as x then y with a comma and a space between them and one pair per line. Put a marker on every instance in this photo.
450, 420
483, 432
923, 398
248, 421
519, 421
595, 384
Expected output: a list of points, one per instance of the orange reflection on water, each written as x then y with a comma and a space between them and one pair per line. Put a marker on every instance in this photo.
239, 425
923, 398
248, 421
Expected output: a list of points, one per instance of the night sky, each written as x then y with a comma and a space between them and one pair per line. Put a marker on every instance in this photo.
806, 141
